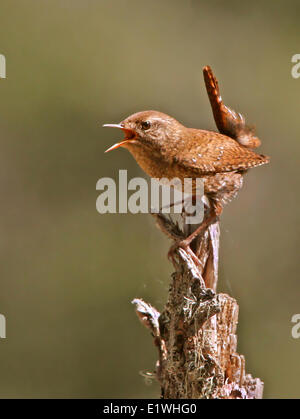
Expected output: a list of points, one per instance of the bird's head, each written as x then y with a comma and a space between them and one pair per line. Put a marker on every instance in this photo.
148, 129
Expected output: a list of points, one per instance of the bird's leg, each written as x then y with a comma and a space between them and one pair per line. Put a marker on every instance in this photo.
173, 204
212, 218
168, 227
185, 243
166, 224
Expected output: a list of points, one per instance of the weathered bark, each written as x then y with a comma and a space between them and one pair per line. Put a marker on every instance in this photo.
196, 332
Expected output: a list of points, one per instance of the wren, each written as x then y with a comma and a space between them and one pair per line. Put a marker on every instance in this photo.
164, 148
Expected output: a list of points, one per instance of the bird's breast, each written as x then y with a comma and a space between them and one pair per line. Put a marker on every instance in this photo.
155, 164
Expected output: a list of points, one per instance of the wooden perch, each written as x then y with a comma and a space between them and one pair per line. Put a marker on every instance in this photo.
196, 332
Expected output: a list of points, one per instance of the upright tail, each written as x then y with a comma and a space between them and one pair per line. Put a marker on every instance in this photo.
228, 121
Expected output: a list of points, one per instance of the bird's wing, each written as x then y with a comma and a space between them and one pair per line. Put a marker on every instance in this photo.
210, 152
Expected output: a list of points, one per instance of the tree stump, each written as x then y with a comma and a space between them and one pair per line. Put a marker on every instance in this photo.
196, 332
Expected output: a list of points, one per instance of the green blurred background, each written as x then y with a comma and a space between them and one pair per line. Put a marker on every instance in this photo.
67, 273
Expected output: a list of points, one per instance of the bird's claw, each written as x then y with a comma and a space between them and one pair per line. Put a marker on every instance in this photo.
172, 251
185, 245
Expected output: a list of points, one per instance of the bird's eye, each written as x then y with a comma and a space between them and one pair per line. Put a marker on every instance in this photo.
146, 125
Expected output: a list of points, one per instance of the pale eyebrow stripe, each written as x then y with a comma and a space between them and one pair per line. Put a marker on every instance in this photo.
160, 119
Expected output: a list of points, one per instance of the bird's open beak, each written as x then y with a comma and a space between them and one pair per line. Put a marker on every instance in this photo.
129, 136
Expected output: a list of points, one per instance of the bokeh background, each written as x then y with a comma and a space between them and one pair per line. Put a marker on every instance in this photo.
68, 274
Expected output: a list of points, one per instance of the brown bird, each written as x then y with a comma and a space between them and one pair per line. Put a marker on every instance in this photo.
163, 147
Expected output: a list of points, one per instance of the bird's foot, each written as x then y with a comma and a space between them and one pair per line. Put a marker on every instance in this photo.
185, 245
